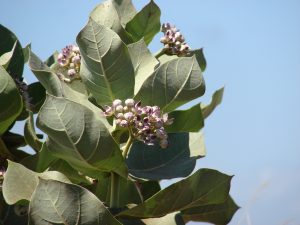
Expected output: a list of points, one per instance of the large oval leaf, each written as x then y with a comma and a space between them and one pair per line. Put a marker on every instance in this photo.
11, 103
77, 134
106, 67
204, 187
19, 182
54, 202
173, 84
178, 160
145, 24
7, 41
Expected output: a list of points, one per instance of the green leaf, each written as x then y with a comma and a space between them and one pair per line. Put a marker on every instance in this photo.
189, 120
106, 67
216, 100
173, 84
204, 187
73, 175
71, 205
11, 103
26, 52
47, 78
78, 135
6, 57
37, 95
127, 191
20, 182
220, 214
178, 160
198, 53
7, 42
143, 62
149, 188
145, 24
40, 161
30, 136
52, 59
200, 58
106, 14
125, 10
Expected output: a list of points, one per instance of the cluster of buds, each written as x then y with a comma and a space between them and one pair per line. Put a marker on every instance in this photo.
23, 88
69, 59
145, 123
174, 42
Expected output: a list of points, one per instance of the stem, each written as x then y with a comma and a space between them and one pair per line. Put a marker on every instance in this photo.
114, 190
127, 146
160, 53
4, 152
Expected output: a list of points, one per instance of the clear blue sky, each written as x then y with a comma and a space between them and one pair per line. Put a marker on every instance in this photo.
253, 48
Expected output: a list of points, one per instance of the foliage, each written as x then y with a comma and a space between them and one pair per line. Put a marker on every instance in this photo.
113, 130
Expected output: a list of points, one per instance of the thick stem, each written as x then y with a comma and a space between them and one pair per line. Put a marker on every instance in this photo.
128, 145
114, 190
4, 152
160, 53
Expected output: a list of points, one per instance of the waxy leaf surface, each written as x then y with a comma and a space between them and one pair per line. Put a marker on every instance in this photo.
77, 134
173, 84
54, 202
204, 187
106, 68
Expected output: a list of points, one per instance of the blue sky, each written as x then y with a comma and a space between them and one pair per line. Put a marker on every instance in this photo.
253, 48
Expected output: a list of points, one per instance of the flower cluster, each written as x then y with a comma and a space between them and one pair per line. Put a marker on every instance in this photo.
69, 59
145, 123
174, 42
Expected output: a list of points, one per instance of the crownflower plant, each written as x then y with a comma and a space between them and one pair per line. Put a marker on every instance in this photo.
111, 127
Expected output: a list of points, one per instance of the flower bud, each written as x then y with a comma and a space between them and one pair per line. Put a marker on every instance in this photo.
71, 72
129, 102
116, 102
119, 108
164, 143
128, 116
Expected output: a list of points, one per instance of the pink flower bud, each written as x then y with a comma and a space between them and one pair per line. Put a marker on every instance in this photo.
129, 102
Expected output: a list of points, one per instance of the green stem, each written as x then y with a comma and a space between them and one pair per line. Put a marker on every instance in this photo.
160, 53
127, 146
114, 190
4, 152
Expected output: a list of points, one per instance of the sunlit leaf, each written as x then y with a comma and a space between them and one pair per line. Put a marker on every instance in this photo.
204, 187
106, 68
173, 84
145, 24
19, 182
71, 205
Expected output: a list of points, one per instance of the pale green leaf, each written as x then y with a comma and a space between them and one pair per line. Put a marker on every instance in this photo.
143, 62
145, 24
54, 202
106, 68
204, 187
216, 100
106, 14
20, 182
125, 10
173, 84
189, 120
77, 134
